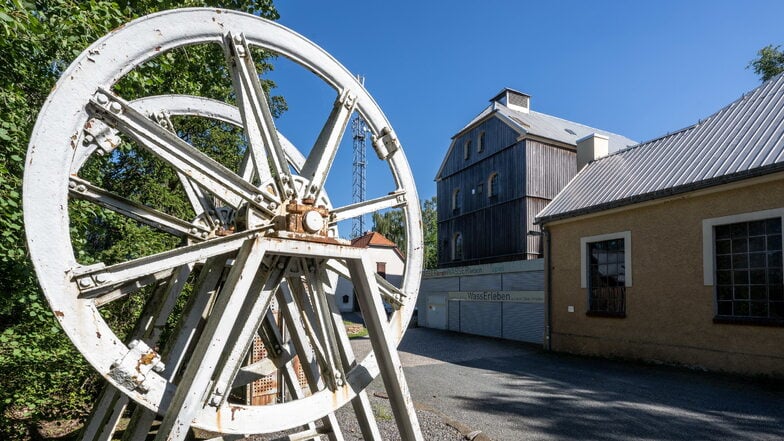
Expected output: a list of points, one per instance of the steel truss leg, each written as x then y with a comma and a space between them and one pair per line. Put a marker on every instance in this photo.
361, 404
300, 338
195, 313
363, 278
112, 403
207, 356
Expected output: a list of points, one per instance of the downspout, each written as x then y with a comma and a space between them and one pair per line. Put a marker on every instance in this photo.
548, 290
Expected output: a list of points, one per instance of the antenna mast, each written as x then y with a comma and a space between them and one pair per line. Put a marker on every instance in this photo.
359, 131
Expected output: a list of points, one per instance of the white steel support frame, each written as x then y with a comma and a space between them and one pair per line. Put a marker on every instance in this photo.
236, 274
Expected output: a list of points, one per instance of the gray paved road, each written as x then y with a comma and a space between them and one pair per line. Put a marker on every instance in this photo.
513, 392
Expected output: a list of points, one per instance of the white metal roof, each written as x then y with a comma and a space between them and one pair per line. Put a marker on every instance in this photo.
742, 140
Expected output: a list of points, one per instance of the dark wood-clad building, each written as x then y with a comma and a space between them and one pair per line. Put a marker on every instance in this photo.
501, 170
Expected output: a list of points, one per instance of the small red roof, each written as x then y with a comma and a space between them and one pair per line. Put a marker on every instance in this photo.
372, 238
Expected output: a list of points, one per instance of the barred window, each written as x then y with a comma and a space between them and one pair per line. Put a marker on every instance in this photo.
606, 277
748, 265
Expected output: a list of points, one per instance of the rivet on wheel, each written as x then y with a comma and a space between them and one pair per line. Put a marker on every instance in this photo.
238, 38
81, 188
72, 185
272, 205
101, 278
115, 107
102, 99
86, 282
258, 198
281, 265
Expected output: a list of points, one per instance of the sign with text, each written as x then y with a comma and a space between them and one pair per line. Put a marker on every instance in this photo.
499, 296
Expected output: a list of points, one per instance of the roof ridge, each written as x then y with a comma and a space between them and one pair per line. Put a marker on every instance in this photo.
576, 123
746, 96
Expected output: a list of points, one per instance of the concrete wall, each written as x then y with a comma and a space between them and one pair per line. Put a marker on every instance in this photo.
504, 300
669, 308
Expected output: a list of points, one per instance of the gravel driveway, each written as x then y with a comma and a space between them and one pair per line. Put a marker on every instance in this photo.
508, 391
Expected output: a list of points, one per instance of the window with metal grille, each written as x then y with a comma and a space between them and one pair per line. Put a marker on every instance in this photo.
606, 277
749, 270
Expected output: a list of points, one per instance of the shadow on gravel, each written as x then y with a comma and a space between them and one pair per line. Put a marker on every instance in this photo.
555, 396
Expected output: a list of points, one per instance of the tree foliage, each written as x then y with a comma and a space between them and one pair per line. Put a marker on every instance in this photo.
41, 375
392, 225
769, 62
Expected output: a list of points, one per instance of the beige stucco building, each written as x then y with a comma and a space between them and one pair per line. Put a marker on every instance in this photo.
671, 251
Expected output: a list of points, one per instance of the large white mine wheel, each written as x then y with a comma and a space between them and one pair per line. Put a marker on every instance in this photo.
264, 233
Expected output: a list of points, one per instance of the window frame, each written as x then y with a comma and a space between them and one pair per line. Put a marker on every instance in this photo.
467, 150
626, 236
457, 202
709, 261
480, 142
457, 236
490, 193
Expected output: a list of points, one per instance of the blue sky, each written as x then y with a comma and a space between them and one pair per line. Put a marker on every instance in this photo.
634, 68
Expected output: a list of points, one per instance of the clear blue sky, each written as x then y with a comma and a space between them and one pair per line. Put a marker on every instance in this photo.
634, 68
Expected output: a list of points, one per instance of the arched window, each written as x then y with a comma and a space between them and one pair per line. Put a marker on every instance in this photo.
457, 247
492, 185
480, 143
467, 149
457, 201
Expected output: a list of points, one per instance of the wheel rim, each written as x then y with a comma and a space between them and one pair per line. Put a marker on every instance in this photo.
57, 150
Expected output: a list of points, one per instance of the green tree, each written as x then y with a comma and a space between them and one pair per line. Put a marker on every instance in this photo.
769, 62
430, 225
392, 225
41, 375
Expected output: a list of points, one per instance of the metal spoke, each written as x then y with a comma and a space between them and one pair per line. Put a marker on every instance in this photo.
81, 189
208, 351
208, 173
393, 200
256, 116
322, 155
98, 279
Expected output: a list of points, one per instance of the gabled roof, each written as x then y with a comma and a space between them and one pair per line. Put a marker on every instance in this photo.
743, 140
372, 238
541, 125
376, 240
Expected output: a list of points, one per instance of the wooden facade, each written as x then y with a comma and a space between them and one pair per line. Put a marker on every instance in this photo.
494, 227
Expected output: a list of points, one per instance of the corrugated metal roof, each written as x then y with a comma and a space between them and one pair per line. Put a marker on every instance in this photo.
542, 125
742, 140
548, 126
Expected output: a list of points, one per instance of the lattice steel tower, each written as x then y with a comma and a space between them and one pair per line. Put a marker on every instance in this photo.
359, 131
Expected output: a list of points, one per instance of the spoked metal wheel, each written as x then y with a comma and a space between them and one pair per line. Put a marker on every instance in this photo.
262, 233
